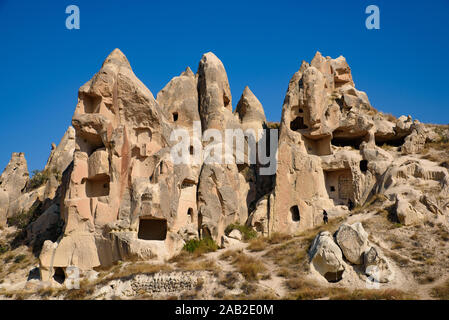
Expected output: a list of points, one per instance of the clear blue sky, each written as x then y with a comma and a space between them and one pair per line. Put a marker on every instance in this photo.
403, 67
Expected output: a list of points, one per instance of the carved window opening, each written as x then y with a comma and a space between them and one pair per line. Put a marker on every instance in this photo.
298, 124
294, 211
364, 165
98, 187
59, 275
152, 229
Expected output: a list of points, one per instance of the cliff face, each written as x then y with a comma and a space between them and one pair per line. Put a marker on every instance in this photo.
114, 184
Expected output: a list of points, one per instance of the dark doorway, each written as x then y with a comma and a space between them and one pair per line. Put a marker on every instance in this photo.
294, 211
364, 165
59, 275
152, 229
298, 124
334, 276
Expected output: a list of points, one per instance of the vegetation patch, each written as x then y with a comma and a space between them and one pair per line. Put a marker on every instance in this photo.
247, 232
248, 266
441, 292
199, 247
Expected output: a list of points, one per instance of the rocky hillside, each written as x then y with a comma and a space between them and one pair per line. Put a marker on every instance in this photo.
112, 202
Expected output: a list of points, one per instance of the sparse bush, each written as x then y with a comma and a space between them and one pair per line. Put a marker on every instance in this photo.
284, 272
8, 258
247, 232
273, 125
200, 246
38, 179
23, 219
229, 280
366, 294
258, 244
249, 267
229, 254
4, 247
441, 292
278, 237
19, 258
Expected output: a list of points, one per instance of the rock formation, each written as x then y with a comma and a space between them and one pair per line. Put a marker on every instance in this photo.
116, 193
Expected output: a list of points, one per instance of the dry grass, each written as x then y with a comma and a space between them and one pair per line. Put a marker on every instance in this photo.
278, 237
230, 254
366, 294
441, 292
248, 266
229, 280
258, 244
301, 289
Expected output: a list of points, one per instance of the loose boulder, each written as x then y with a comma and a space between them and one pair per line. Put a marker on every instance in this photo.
353, 241
377, 266
326, 257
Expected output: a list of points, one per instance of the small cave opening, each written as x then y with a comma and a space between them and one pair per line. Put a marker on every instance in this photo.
392, 142
347, 142
363, 165
298, 124
334, 277
91, 103
152, 229
90, 142
190, 214
191, 150
339, 185
59, 275
98, 187
161, 167
294, 211
175, 116
200, 223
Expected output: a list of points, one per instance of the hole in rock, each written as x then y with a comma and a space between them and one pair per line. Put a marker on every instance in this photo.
294, 211
334, 276
392, 142
97, 187
364, 165
347, 142
298, 124
190, 214
339, 185
152, 229
59, 275
91, 103
175, 116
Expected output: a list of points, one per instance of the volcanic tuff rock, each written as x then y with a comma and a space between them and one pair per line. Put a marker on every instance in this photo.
113, 192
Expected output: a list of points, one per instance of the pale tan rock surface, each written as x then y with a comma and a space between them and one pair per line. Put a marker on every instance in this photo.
353, 241
114, 193
326, 257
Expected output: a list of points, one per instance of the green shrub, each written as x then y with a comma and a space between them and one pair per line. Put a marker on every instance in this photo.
200, 246
247, 232
38, 179
4, 247
23, 219
19, 258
